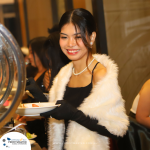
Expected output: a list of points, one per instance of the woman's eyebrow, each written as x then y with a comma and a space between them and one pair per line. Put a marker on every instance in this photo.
63, 33
73, 34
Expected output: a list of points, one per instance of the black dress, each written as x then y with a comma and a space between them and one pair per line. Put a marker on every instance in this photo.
75, 97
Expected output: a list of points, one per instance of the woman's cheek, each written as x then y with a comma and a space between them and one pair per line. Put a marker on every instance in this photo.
61, 43
80, 43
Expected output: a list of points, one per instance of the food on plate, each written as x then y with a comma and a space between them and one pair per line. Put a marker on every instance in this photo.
23, 105
28, 135
34, 105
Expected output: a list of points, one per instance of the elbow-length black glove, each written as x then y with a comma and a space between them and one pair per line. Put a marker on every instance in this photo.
68, 112
35, 90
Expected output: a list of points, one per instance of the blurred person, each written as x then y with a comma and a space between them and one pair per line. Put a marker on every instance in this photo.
30, 70
36, 57
34, 125
141, 106
54, 60
138, 135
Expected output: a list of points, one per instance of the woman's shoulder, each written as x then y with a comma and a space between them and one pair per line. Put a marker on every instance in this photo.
145, 90
99, 73
108, 63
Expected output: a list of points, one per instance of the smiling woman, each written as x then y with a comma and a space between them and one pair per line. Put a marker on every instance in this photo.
71, 42
92, 108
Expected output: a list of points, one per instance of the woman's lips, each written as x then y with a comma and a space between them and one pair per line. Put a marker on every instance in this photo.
72, 51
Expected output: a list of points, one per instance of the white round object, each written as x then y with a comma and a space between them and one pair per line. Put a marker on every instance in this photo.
14, 141
28, 109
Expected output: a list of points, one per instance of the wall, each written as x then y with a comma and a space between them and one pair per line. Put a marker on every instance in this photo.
128, 41
39, 17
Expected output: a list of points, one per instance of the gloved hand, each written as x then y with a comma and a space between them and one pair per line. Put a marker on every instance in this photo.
68, 112
64, 111
35, 90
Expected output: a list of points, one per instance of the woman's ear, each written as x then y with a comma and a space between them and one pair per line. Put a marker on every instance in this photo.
92, 38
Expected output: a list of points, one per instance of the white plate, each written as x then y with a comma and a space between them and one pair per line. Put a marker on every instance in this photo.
34, 111
31, 142
34, 116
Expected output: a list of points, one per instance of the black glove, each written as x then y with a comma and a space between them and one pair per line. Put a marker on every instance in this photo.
64, 111
68, 112
35, 90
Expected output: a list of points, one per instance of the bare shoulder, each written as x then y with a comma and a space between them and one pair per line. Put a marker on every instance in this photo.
145, 90
143, 109
99, 73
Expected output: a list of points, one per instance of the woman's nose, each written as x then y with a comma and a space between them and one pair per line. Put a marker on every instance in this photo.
71, 42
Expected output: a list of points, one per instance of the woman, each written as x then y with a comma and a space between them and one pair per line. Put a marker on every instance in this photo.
141, 106
92, 108
37, 57
138, 135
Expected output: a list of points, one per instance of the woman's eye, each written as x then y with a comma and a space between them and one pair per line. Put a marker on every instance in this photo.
78, 37
63, 37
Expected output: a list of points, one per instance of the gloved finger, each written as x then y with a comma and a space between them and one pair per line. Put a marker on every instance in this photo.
28, 88
49, 113
31, 80
27, 82
60, 102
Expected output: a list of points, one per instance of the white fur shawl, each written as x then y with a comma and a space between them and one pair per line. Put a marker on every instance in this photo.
105, 103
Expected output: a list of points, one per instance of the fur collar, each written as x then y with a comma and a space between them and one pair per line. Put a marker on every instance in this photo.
105, 103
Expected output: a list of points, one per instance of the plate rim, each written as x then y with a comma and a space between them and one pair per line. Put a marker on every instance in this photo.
55, 105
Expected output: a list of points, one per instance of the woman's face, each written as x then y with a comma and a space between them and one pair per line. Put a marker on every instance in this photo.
33, 62
71, 42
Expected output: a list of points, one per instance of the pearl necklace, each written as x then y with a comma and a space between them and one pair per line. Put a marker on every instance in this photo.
83, 69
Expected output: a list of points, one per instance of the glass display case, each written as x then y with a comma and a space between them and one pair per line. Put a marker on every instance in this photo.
12, 75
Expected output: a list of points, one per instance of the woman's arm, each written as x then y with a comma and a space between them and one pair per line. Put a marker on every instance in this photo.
46, 79
67, 112
92, 124
143, 109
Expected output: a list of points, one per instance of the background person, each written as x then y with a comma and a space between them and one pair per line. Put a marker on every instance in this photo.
34, 125
54, 60
141, 105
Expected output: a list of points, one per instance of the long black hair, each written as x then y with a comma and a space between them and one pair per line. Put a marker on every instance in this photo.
81, 19
56, 59
37, 47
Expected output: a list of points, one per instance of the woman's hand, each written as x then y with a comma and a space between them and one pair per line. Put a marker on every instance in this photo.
35, 90
24, 118
64, 111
